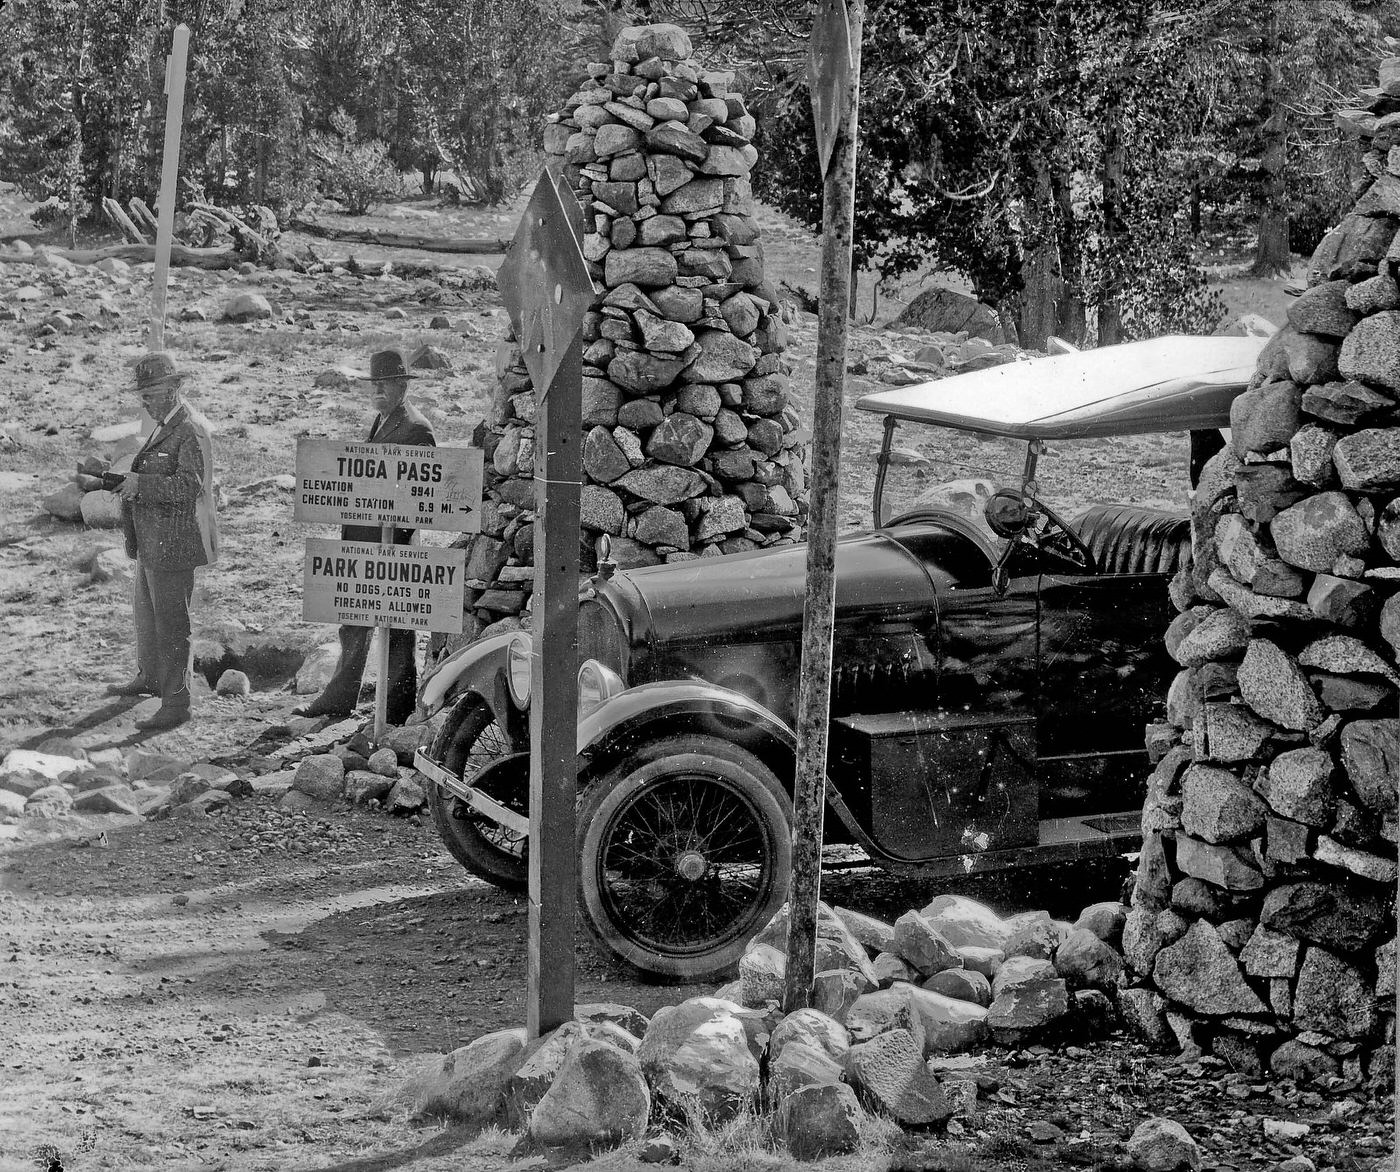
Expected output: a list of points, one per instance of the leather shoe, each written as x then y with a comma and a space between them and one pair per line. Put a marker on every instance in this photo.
164, 718
136, 687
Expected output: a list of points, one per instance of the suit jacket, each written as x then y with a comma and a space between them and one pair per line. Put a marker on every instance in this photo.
405, 424
171, 525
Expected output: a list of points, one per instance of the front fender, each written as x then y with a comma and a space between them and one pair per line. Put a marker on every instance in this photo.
623, 720
478, 667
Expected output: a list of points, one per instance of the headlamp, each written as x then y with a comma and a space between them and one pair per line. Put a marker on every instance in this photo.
596, 683
518, 669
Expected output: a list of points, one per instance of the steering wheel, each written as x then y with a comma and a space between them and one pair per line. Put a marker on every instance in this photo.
1013, 515
1063, 541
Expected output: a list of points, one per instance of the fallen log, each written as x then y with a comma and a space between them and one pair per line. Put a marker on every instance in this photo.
113, 211
142, 213
256, 239
180, 254
486, 247
410, 270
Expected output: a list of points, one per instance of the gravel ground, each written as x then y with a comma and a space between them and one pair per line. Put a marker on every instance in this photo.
253, 990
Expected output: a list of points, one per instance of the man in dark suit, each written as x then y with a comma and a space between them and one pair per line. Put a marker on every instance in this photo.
397, 422
168, 520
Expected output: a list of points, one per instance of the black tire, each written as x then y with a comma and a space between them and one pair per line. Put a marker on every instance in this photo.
685, 850
471, 739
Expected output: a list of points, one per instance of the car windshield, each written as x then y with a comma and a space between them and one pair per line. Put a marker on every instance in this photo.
940, 468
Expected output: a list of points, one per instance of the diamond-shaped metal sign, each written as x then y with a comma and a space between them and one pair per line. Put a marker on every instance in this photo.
573, 210
544, 279
829, 67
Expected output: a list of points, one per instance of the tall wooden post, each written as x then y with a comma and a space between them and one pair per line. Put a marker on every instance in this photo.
835, 84
545, 284
554, 709
169, 179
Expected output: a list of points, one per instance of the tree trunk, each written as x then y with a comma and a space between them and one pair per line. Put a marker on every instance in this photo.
1271, 255
1110, 331
1196, 209
1039, 308
151, 139
260, 176
1042, 279
1070, 315
114, 167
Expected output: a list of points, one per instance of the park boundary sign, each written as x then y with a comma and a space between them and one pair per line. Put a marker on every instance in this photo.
388, 484
360, 583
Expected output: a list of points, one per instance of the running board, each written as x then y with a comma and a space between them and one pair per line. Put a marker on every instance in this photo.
1058, 840
478, 801
1090, 828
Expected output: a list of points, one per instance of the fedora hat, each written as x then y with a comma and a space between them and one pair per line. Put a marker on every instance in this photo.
387, 364
155, 368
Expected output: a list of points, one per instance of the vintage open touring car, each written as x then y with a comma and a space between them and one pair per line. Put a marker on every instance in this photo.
994, 668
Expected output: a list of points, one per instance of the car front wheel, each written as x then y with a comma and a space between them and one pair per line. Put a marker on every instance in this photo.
481, 748
684, 854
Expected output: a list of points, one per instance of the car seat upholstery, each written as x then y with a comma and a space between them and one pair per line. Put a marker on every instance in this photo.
1128, 539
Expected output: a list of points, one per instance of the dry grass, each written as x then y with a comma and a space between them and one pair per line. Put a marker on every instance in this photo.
746, 1142
742, 1141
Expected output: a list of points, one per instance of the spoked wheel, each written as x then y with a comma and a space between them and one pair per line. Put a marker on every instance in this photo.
484, 750
684, 854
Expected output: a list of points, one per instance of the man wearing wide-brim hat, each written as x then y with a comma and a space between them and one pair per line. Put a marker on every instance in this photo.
168, 520
396, 421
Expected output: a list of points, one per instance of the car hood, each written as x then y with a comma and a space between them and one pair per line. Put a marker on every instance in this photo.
753, 595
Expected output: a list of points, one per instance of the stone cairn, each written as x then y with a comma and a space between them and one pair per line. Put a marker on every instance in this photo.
691, 446
1263, 926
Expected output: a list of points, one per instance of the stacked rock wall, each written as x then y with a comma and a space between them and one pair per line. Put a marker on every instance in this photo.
1263, 921
691, 445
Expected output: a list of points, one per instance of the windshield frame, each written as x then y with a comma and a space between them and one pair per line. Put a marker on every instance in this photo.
1034, 447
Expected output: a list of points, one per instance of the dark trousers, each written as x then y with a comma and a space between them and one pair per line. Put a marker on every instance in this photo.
161, 601
343, 690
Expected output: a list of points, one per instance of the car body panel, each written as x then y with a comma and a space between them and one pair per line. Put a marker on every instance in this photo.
478, 667
722, 711
751, 595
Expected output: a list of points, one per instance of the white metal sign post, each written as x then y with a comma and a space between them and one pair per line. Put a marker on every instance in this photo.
169, 176
386, 585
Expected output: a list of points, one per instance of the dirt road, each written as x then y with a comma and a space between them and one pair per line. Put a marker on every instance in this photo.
254, 991
248, 990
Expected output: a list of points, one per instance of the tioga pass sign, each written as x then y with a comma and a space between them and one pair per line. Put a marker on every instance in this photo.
388, 484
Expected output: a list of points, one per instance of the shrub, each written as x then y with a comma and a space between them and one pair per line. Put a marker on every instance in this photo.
353, 170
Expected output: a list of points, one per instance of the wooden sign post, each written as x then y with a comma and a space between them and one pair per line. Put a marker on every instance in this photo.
545, 285
835, 84
169, 175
